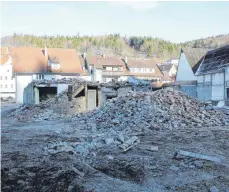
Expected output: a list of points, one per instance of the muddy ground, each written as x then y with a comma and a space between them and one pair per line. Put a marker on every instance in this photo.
28, 166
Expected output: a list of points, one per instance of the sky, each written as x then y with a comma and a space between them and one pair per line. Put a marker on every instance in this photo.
172, 21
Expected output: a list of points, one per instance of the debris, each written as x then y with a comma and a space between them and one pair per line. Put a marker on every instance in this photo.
81, 150
133, 141
149, 148
213, 189
109, 141
174, 168
198, 164
78, 172
121, 138
198, 156
130, 169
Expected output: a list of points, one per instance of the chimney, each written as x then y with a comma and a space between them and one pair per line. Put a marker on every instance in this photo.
46, 51
84, 55
126, 59
46, 57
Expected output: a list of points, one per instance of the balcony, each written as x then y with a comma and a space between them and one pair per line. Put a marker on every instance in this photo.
112, 73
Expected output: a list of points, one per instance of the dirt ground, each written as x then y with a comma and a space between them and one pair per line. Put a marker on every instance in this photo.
28, 166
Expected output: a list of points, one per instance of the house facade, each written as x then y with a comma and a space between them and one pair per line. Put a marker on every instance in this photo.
169, 71
105, 68
189, 61
213, 75
7, 80
49, 63
145, 69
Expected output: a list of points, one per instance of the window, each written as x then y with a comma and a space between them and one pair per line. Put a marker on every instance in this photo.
0, 77
1, 85
11, 77
150, 70
12, 86
6, 86
5, 77
8, 70
40, 76
55, 66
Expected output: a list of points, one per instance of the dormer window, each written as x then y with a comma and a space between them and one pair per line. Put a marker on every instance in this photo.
55, 66
54, 63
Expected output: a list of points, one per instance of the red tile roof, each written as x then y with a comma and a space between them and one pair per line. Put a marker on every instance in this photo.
99, 61
141, 63
33, 60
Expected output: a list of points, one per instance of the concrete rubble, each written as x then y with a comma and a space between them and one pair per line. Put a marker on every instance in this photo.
61, 106
127, 144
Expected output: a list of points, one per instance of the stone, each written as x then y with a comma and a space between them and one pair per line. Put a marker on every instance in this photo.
81, 150
120, 137
174, 168
213, 189
199, 164
109, 141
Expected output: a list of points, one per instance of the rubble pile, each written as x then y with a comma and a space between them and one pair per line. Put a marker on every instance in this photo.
156, 110
53, 108
60, 107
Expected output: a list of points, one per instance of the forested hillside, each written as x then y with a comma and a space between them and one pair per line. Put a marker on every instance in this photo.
115, 44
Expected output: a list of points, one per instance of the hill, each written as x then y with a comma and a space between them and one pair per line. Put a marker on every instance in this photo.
114, 44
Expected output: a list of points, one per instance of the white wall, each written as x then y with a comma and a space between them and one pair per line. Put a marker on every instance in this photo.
86, 78
21, 82
98, 75
172, 71
142, 70
207, 78
218, 86
200, 79
7, 81
184, 72
227, 73
226, 81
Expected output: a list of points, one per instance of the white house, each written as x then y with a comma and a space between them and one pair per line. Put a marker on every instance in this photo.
7, 80
49, 63
189, 61
213, 75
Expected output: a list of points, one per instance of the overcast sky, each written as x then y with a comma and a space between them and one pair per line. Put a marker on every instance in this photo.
173, 21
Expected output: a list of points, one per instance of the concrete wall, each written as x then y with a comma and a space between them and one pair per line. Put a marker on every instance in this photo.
188, 87
21, 82
28, 95
61, 88
184, 72
190, 90
204, 88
